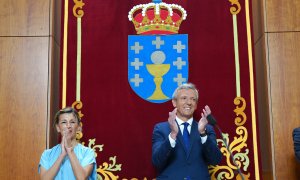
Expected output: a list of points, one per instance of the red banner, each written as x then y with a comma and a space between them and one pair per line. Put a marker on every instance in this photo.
118, 123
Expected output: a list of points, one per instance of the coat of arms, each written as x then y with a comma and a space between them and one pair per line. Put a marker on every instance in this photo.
157, 56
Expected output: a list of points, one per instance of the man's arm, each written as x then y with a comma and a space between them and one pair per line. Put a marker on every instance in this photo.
212, 152
296, 139
161, 148
161, 141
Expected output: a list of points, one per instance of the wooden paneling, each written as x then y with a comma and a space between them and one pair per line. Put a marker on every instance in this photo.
282, 15
23, 107
29, 78
284, 76
263, 108
54, 66
281, 110
54, 91
267, 176
257, 20
24, 18
57, 21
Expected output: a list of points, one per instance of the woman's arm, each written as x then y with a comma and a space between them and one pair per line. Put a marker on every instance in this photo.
81, 173
51, 173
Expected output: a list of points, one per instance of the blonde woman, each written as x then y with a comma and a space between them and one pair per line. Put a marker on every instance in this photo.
69, 159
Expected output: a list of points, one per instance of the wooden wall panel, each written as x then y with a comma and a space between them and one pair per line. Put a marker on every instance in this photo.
282, 15
54, 66
57, 22
24, 17
279, 114
263, 110
284, 76
257, 19
29, 78
23, 105
262, 91
54, 91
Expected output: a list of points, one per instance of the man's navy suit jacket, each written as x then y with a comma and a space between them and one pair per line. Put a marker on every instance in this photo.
178, 163
296, 139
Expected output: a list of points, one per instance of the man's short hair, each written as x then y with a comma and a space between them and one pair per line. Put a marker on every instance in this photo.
185, 86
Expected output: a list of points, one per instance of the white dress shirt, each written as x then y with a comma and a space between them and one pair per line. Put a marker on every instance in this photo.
181, 126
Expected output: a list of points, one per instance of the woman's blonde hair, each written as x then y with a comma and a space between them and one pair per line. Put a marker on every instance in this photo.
66, 110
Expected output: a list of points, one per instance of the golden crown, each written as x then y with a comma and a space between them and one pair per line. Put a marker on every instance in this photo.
157, 18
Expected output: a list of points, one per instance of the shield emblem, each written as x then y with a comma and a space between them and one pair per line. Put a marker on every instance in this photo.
157, 65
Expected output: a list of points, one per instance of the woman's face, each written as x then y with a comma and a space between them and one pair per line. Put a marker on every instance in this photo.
67, 125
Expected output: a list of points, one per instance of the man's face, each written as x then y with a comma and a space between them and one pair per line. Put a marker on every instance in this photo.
186, 103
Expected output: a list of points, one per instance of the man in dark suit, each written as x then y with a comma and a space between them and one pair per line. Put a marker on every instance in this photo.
296, 139
182, 148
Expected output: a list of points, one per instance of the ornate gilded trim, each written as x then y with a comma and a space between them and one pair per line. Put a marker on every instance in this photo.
106, 170
77, 8
236, 7
78, 106
65, 53
238, 148
252, 90
239, 111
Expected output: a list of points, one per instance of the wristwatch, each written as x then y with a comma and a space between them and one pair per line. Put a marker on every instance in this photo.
203, 135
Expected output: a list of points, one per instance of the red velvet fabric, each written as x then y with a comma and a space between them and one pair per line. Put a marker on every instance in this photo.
115, 115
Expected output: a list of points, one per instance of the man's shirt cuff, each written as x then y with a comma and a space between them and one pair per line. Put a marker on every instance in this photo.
172, 141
